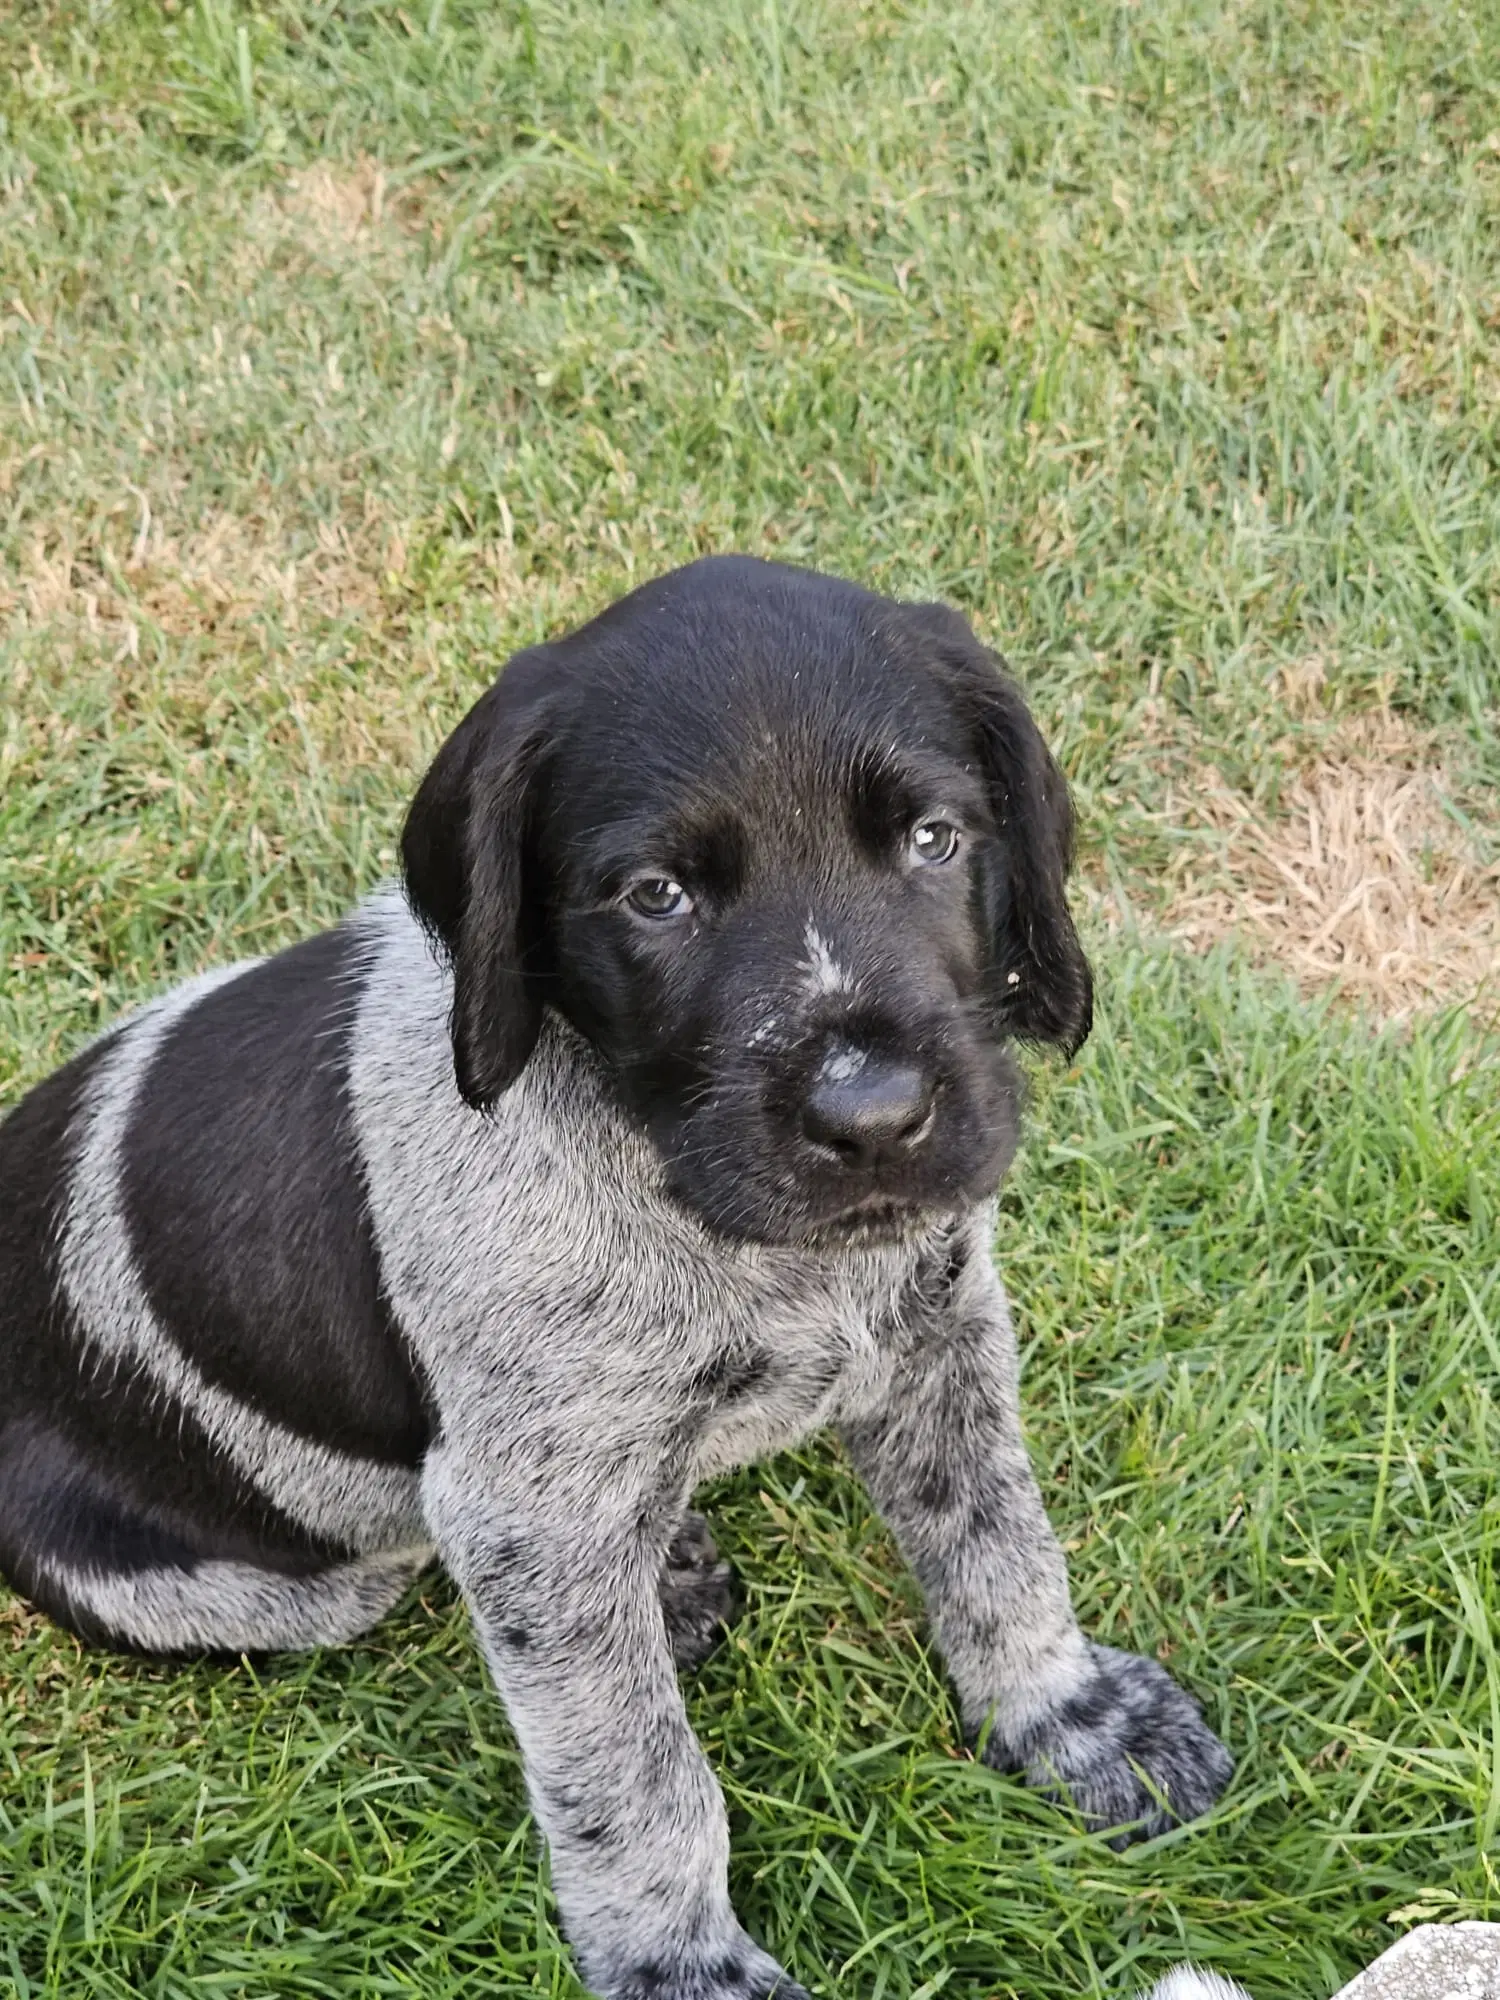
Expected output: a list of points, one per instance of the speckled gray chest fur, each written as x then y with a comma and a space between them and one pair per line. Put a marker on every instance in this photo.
502, 1234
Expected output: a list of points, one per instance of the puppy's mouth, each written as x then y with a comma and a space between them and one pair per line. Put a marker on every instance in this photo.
877, 1218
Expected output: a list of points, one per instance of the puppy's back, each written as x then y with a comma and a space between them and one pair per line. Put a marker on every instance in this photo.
198, 1359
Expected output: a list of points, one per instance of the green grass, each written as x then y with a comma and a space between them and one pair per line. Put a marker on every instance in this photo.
1165, 339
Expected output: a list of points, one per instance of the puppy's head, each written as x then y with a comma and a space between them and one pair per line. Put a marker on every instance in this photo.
791, 856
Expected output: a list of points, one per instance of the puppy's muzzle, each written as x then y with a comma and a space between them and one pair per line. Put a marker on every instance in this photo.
867, 1111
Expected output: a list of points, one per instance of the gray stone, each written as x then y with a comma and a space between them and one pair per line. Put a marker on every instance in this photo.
1434, 1962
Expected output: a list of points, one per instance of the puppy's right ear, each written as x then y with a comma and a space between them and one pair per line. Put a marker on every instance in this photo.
467, 853
1042, 988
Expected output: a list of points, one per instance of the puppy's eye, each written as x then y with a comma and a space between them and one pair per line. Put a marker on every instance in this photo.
659, 896
934, 842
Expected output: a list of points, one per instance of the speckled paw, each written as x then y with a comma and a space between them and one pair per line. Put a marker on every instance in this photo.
698, 1596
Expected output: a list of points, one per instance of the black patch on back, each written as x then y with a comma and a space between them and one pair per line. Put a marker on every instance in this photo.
247, 1210
54, 1498
96, 1468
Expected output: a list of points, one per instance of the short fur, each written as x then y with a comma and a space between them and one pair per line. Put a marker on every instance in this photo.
654, 1124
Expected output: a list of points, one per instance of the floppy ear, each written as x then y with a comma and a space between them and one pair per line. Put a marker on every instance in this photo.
467, 854
1042, 988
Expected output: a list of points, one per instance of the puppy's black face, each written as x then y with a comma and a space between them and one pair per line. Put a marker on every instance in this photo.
770, 859
791, 857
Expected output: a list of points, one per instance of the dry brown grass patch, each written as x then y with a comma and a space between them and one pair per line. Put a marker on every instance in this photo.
1368, 873
336, 217
227, 573
179, 619
337, 206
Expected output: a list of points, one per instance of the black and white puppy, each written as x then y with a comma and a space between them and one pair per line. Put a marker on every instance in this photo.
653, 1125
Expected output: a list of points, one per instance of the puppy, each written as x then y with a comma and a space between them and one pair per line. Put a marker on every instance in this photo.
652, 1125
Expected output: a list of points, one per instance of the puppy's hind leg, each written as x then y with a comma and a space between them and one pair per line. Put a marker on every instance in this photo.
220, 1606
118, 1574
698, 1597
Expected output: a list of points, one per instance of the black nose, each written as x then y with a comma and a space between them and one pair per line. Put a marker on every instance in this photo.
867, 1110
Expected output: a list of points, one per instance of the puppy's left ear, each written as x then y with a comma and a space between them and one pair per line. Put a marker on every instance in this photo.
1041, 985
468, 856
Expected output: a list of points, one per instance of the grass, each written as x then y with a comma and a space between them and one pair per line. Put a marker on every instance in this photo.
345, 348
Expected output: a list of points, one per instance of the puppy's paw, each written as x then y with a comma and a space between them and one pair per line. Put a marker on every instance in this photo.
739, 1972
697, 1593
1129, 1748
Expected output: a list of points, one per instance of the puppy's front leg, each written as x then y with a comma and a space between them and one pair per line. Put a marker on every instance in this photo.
946, 1464
562, 1578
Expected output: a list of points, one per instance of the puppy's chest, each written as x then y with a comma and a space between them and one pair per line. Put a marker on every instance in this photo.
778, 1369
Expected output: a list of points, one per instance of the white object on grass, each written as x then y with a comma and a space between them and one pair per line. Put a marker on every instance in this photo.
1187, 1982
1432, 1962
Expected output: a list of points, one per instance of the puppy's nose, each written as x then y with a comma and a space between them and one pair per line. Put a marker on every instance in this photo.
868, 1110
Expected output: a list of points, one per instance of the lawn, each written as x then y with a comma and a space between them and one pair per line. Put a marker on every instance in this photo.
346, 347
